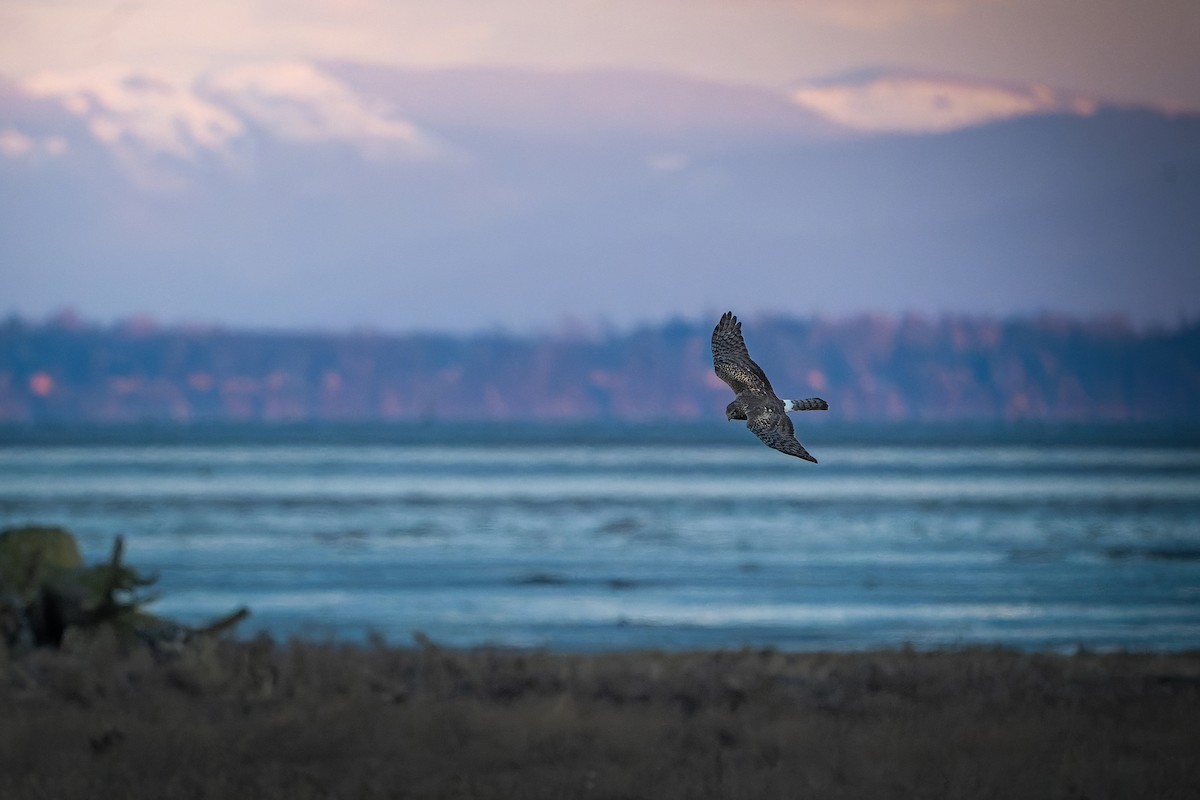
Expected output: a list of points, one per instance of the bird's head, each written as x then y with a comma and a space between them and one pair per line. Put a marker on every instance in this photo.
735, 410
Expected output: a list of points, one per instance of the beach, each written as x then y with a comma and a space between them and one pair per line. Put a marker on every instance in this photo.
259, 718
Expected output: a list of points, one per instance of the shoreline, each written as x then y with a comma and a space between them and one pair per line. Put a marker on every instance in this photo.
302, 719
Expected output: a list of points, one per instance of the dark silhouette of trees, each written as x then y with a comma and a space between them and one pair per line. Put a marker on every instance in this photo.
868, 367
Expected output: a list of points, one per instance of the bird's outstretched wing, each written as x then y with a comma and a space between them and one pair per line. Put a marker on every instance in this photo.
731, 360
776, 431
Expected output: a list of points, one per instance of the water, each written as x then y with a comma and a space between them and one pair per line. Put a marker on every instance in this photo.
639, 537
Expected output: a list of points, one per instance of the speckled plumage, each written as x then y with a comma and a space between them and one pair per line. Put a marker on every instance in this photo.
755, 400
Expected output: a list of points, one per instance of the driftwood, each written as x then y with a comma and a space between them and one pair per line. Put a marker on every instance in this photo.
46, 590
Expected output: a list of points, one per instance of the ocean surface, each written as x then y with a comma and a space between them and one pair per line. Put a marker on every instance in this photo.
592, 538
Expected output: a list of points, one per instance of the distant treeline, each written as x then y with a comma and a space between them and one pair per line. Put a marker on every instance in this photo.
867, 367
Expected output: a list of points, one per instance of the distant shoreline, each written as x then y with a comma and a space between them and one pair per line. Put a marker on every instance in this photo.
715, 432
952, 369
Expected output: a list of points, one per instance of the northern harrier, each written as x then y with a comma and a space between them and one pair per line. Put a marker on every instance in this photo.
765, 414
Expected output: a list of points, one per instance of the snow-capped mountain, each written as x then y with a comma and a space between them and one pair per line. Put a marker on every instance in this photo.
340, 193
912, 102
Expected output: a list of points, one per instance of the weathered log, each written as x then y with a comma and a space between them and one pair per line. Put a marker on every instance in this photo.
45, 589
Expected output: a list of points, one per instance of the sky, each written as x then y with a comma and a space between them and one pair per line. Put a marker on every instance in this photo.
1115, 49
162, 83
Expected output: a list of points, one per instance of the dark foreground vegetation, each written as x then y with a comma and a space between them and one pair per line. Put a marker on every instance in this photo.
214, 718
101, 699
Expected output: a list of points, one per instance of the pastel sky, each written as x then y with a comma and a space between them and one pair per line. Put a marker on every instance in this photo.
1129, 50
314, 162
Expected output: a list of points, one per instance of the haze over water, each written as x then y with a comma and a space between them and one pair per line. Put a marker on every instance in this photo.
605, 538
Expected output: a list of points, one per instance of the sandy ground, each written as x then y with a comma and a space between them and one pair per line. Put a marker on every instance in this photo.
257, 719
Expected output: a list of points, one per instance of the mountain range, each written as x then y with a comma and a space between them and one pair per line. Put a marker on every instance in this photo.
342, 194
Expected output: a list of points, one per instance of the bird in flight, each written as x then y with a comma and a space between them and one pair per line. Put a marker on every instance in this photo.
755, 401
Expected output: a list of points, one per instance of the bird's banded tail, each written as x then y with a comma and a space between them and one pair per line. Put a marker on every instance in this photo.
809, 404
